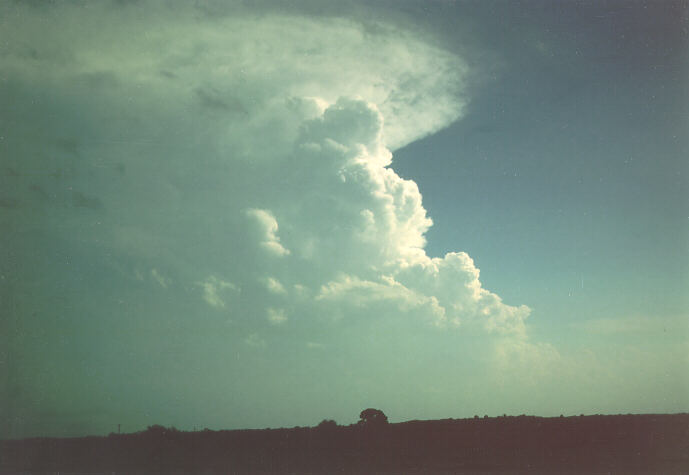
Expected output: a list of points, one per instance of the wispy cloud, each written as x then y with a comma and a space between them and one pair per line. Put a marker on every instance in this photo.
276, 316
214, 290
160, 278
255, 341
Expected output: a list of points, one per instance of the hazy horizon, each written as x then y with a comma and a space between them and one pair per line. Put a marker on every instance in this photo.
247, 215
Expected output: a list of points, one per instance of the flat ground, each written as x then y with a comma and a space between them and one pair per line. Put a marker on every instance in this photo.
582, 444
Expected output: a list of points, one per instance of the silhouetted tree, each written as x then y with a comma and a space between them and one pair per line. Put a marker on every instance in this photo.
372, 417
157, 430
327, 424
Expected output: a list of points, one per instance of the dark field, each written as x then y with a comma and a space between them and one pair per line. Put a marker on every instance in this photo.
583, 444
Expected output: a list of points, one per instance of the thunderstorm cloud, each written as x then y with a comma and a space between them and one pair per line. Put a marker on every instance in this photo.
197, 185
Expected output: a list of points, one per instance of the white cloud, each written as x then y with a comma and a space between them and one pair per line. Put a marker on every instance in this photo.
276, 316
213, 289
237, 152
274, 286
352, 291
301, 292
268, 228
290, 128
386, 223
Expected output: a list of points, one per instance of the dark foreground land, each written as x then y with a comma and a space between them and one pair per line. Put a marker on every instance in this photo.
583, 444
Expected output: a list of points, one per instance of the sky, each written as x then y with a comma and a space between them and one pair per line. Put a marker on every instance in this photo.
234, 215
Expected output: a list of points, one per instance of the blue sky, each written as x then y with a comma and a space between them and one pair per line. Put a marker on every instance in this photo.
230, 216
572, 161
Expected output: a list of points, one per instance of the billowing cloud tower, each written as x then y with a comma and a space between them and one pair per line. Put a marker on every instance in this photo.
185, 189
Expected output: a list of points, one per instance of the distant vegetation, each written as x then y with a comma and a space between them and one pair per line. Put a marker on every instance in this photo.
657, 443
372, 417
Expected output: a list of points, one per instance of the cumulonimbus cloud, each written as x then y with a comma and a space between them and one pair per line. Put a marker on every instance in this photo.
284, 122
248, 160
211, 192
